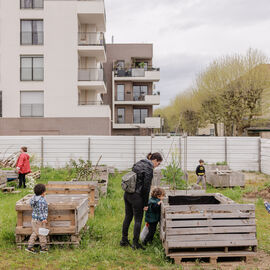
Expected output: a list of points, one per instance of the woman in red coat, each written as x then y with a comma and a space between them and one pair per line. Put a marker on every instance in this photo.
23, 166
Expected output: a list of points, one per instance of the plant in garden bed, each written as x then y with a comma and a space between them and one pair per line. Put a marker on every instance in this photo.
173, 175
221, 163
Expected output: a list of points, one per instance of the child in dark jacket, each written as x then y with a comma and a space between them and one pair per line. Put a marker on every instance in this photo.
152, 215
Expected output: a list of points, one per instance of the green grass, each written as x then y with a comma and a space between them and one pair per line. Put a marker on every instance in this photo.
99, 248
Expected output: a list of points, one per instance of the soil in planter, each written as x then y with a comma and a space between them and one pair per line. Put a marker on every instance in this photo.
189, 200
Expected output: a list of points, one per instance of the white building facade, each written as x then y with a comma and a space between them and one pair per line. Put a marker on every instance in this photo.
51, 68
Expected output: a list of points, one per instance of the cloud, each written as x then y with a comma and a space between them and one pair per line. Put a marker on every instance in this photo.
188, 34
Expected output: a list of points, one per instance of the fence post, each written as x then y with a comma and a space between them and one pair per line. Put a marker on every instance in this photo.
89, 148
42, 152
260, 155
180, 152
226, 150
134, 149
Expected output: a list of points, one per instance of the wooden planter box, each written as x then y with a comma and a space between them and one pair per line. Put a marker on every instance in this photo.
70, 188
3, 180
68, 215
10, 174
226, 179
207, 225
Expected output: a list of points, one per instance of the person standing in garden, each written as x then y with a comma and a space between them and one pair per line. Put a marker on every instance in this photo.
200, 172
23, 166
137, 202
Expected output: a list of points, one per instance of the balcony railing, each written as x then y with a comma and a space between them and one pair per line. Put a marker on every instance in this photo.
32, 4
32, 74
32, 38
91, 38
91, 74
32, 110
132, 72
82, 102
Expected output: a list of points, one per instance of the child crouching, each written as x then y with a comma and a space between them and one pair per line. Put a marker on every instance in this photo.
152, 215
39, 218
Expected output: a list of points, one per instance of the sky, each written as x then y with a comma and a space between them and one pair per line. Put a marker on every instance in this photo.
189, 34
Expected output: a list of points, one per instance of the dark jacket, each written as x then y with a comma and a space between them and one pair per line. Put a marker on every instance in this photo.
200, 170
144, 171
153, 213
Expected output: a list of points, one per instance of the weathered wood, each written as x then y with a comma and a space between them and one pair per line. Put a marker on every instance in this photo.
209, 230
237, 243
211, 215
211, 237
210, 207
68, 214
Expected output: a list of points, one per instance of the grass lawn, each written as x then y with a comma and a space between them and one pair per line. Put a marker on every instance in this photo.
100, 245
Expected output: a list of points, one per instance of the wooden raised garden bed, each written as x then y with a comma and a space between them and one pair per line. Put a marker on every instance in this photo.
82, 187
207, 226
3, 180
68, 215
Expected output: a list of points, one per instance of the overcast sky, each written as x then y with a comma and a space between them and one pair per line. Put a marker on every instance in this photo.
188, 34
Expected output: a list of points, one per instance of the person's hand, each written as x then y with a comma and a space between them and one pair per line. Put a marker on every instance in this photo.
265, 202
159, 203
145, 208
44, 221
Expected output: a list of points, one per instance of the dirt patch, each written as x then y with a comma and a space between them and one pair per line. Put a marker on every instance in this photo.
264, 193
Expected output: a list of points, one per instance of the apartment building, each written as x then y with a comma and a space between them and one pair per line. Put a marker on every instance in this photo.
51, 68
131, 79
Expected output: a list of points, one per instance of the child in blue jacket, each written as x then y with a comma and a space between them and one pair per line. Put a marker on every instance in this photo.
152, 215
267, 206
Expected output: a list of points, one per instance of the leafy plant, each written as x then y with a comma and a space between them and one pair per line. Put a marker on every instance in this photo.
173, 175
221, 163
83, 169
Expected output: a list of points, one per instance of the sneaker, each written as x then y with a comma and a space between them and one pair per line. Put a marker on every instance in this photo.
125, 243
138, 246
44, 250
30, 250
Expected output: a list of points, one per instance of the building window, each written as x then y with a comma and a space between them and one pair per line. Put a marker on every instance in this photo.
120, 64
139, 116
25, 4
121, 115
32, 103
31, 32
1, 102
120, 92
32, 68
139, 92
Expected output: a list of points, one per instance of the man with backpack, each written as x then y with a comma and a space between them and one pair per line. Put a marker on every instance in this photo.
137, 185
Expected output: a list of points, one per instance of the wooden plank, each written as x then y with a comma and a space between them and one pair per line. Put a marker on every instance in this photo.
205, 254
19, 218
211, 237
210, 223
209, 230
71, 186
52, 218
53, 230
210, 207
211, 215
198, 244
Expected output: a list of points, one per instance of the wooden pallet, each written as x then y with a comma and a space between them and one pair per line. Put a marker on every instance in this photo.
8, 189
212, 256
82, 187
68, 215
201, 226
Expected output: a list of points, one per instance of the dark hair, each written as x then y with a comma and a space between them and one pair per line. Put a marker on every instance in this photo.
158, 192
39, 189
24, 148
201, 161
154, 156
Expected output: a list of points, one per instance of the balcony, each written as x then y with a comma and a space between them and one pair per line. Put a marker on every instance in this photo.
137, 74
92, 79
142, 100
89, 103
92, 12
150, 122
92, 44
